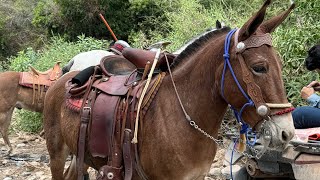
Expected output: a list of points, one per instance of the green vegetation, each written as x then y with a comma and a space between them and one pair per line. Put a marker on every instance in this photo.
57, 24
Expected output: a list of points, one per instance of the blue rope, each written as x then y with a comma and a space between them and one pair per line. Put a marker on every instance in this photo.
251, 143
238, 115
226, 57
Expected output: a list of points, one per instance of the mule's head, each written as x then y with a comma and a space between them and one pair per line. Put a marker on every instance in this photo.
313, 58
257, 67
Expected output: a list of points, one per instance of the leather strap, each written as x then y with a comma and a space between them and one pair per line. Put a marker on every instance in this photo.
85, 118
138, 166
253, 89
127, 155
254, 41
86, 112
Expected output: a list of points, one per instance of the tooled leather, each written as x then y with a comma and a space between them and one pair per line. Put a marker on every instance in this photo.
253, 89
256, 41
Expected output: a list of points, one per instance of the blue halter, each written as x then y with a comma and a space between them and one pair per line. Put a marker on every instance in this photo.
226, 55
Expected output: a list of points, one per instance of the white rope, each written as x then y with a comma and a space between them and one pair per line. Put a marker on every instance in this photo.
156, 58
274, 105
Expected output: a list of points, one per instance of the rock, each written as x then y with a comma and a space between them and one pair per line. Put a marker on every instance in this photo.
34, 163
32, 178
24, 174
208, 178
7, 178
226, 171
45, 177
43, 158
21, 145
20, 163
4, 162
215, 172
39, 173
30, 168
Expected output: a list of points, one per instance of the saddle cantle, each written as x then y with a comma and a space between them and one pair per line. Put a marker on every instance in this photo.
107, 106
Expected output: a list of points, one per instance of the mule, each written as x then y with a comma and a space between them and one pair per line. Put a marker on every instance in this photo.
236, 67
20, 90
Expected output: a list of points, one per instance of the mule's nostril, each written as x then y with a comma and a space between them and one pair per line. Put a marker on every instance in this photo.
285, 136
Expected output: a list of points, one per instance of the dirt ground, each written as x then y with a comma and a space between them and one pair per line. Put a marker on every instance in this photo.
29, 160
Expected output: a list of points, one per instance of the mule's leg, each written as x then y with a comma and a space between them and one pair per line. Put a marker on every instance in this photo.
58, 155
58, 150
5, 120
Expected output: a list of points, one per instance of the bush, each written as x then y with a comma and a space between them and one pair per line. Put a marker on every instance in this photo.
74, 17
27, 121
16, 30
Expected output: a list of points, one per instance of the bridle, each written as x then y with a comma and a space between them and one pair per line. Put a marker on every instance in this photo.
254, 96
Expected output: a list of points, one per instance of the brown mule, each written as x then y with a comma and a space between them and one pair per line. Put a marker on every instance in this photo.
20, 90
168, 146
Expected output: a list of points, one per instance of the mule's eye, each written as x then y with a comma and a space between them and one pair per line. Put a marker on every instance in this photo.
259, 69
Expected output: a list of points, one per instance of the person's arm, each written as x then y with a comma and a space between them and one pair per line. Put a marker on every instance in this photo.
308, 93
315, 85
314, 100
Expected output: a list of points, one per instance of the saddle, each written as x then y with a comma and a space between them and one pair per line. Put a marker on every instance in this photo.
140, 57
40, 81
107, 106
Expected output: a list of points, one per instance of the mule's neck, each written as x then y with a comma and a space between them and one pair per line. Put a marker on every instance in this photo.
198, 82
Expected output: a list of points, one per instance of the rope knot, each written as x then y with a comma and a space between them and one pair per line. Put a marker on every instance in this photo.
226, 56
251, 103
244, 128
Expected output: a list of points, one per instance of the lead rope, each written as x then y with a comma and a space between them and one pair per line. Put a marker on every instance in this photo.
156, 58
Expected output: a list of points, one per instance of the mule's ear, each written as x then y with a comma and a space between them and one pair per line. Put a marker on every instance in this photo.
218, 24
270, 25
253, 23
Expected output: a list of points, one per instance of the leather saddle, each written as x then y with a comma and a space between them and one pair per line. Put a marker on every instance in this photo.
107, 105
35, 77
140, 57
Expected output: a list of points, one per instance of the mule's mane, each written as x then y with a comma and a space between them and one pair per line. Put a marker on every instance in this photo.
197, 44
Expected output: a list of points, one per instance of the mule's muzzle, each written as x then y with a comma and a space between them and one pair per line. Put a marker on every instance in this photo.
281, 131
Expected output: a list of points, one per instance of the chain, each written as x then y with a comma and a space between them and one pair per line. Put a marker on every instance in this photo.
221, 143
